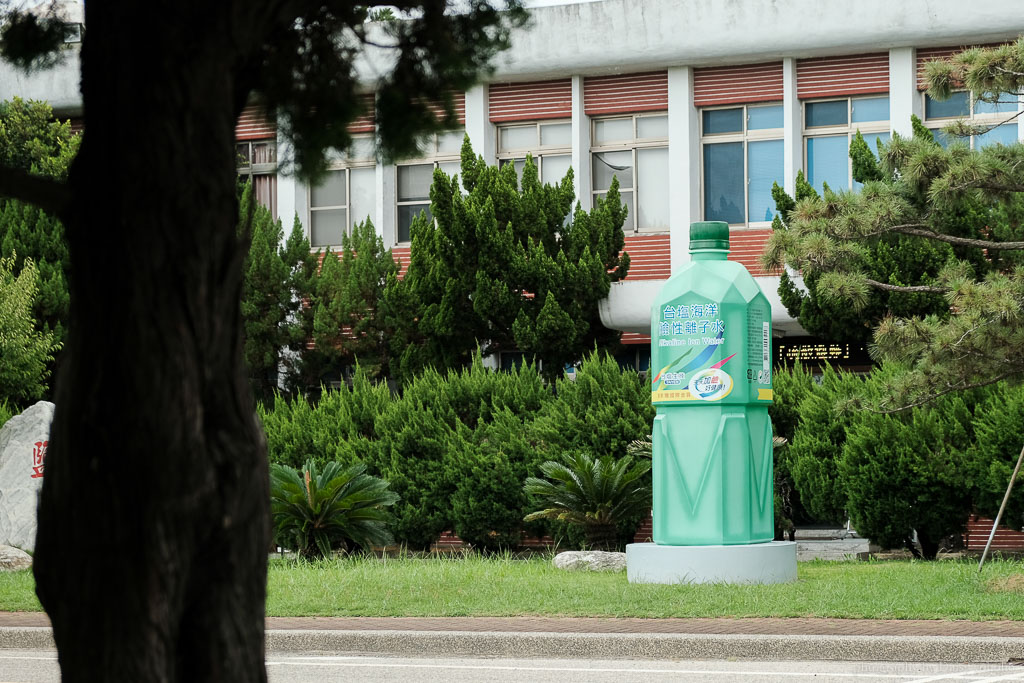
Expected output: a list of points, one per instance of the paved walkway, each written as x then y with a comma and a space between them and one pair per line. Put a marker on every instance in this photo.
773, 626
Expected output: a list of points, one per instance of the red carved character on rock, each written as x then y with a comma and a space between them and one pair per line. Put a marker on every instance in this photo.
38, 455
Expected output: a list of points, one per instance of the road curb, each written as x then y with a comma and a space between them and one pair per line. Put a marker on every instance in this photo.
652, 646
26, 638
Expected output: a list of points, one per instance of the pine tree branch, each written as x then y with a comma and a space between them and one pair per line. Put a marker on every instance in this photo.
950, 388
917, 229
48, 194
927, 289
1007, 120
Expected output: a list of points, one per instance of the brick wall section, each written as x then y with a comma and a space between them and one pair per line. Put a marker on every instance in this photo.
934, 53
746, 247
458, 107
253, 124
364, 122
449, 542
530, 101
401, 254
626, 93
649, 257
644, 534
717, 85
978, 529
853, 75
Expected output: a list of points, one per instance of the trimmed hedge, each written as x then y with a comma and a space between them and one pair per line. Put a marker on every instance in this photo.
457, 447
924, 470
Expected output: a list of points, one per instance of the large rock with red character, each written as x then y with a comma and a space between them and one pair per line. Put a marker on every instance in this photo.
23, 442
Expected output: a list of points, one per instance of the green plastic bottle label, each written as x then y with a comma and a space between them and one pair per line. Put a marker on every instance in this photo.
688, 336
701, 352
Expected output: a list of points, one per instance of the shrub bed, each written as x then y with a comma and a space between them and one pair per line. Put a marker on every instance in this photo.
458, 447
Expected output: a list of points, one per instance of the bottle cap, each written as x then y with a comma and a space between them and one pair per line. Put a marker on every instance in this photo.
709, 235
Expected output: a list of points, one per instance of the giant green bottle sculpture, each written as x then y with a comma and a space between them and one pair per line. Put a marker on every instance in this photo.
711, 387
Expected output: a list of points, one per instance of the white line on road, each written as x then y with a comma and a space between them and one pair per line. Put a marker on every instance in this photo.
47, 659
961, 674
1019, 676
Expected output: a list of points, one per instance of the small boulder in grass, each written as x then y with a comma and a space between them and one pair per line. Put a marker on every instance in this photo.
591, 561
12, 559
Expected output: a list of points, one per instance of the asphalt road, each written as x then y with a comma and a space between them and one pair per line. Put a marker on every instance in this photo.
40, 666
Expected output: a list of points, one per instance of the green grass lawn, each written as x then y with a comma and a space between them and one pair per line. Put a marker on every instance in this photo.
478, 586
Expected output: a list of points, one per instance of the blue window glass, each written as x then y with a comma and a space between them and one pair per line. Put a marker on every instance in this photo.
826, 114
1005, 134
876, 139
723, 121
764, 167
870, 109
511, 360
723, 182
958, 104
643, 358
873, 140
1005, 105
760, 118
626, 358
828, 162
945, 140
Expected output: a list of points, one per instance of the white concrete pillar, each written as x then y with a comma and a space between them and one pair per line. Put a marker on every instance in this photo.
683, 163
904, 99
581, 146
792, 127
478, 124
287, 188
384, 211
1020, 119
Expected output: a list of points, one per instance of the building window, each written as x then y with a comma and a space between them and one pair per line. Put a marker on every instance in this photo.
345, 197
828, 127
414, 179
257, 162
549, 142
634, 357
962, 105
741, 156
634, 149
511, 360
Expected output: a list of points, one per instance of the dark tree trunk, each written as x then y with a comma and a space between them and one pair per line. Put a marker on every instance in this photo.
154, 518
929, 547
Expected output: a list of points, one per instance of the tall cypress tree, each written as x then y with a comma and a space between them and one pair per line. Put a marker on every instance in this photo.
24, 351
32, 140
503, 266
301, 265
265, 295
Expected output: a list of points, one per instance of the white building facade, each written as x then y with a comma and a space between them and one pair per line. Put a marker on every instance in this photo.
697, 106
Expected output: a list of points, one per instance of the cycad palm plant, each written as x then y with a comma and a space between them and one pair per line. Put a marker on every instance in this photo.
315, 511
594, 493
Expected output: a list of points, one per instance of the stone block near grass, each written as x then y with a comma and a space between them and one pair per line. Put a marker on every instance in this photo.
13, 560
23, 442
590, 560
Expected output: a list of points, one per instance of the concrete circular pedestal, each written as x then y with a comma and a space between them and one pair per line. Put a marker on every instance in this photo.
773, 562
